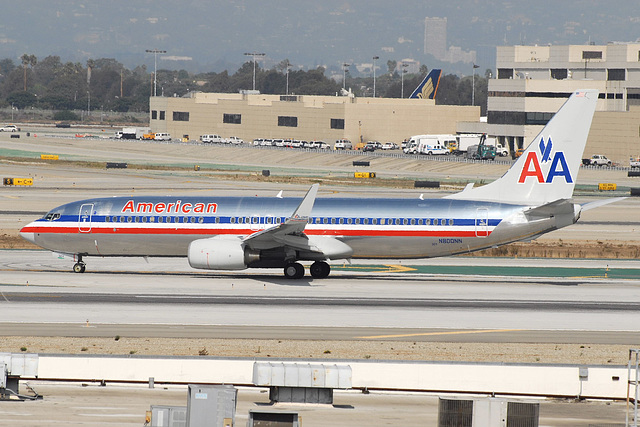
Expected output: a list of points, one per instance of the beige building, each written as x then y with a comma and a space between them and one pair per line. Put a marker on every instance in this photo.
534, 81
304, 117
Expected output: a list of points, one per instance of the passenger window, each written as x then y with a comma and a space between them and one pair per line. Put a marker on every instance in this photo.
443, 222
233, 220
107, 218
413, 221
144, 219
450, 222
357, 220
349, 221
217, 220
193, 219
341, 220
366, 221
405, 221
325, 220
374, 221
200, 220
129, 219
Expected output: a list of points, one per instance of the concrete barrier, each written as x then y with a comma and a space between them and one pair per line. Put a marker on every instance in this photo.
602, 382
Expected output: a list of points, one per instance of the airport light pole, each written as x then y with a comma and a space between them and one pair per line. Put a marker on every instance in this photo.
403, 69
288, 68
254, 55
374, 75
155, 68
473, 84
345, 67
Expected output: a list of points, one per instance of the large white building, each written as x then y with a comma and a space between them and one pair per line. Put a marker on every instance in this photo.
533, 82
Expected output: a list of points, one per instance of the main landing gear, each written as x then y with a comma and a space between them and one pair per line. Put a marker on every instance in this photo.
79, 266
318, 270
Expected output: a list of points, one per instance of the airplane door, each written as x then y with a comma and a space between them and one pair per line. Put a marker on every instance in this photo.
84, 218
482, 222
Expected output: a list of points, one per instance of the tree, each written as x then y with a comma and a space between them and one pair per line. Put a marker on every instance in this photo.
391, 65
27, 60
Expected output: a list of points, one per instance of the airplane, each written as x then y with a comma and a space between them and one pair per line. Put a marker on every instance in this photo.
429, 86
234, 233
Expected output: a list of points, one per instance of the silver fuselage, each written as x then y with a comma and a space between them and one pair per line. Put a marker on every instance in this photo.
373, 228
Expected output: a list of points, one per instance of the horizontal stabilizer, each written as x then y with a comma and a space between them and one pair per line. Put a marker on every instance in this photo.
598, 203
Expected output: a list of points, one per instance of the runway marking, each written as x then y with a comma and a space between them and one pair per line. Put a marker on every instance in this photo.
376, 268
484, 331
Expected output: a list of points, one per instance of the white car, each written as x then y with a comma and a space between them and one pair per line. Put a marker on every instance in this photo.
235, 140
389, 146
162, 136
8, 128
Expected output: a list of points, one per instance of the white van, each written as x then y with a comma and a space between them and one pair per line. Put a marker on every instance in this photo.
343, 144
162, 136
211, 138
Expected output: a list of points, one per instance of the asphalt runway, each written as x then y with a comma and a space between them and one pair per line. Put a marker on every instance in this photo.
166, 298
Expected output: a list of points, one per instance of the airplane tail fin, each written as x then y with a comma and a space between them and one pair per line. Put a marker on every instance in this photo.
429, 86
548, 168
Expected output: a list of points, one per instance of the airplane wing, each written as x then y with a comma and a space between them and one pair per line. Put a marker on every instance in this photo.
291, 234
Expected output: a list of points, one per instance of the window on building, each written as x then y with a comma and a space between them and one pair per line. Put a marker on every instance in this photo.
559, 73
288, 121
506, 117
234, 119
162, 114
505, 73
538, 118
591, 54
288, 98
337, 123
616, 74
154, 114
180, 116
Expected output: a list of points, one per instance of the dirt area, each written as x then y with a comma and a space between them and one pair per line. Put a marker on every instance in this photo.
318, 349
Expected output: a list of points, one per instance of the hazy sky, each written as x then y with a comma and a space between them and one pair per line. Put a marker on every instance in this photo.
202, 35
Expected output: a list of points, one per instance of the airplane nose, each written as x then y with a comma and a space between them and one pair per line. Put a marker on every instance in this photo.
31, 237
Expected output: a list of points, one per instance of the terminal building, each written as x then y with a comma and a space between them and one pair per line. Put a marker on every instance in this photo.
304, 117
533, 82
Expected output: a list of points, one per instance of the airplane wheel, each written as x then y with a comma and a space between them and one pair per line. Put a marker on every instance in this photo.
79, 267
294, 270
320, 270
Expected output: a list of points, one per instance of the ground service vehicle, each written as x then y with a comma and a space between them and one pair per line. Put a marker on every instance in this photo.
634, 163
162, 136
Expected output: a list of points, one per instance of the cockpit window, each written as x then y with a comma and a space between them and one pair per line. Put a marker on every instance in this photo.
51, 216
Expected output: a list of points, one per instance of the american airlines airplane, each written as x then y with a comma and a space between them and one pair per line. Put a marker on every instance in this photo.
233, 233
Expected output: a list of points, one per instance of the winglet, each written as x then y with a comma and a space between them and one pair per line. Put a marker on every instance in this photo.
304, 209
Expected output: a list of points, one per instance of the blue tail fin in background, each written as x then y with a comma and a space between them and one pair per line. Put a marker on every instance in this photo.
429, 86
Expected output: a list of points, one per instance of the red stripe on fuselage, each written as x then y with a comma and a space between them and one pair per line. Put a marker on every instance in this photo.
247, 232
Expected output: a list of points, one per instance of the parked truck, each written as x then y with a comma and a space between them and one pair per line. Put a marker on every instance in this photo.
597, 160
467, 140
430, 144
132, 133
482, 150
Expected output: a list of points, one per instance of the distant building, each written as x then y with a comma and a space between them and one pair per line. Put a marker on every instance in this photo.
534, 81
435, 37
304, 117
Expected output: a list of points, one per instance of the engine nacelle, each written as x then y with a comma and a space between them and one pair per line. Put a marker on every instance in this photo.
220, 253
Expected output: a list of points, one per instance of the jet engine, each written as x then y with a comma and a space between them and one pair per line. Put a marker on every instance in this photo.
220, 253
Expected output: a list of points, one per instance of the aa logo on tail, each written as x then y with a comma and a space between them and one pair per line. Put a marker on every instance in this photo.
534, 163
